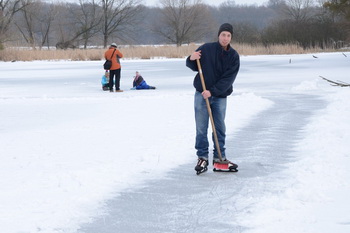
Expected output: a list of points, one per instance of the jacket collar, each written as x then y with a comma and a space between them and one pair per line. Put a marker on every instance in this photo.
219, 46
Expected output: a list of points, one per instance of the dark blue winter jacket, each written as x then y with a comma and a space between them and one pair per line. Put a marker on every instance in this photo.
220, 68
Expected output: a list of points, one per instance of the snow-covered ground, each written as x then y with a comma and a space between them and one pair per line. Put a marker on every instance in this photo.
66, 147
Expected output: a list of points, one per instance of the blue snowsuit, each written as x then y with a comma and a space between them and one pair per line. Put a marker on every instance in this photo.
104, 80
140, 83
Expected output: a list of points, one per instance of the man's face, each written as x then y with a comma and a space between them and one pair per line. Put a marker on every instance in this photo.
225, 38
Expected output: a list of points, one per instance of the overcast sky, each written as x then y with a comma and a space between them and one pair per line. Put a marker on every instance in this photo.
209, 2
214, 2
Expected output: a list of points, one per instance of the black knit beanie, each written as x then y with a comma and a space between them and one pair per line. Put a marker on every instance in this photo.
226, 27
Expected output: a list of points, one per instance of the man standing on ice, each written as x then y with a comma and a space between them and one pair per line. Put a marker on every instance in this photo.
220, 64
114, 54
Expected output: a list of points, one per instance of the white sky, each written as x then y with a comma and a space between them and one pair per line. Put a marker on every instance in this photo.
209, 2
214, 2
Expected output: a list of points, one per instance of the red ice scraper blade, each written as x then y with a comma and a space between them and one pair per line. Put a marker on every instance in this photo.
221, 166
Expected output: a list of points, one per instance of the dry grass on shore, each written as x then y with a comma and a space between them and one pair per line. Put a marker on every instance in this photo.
143, 52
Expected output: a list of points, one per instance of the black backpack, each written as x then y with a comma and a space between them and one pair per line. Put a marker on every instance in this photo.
108, 63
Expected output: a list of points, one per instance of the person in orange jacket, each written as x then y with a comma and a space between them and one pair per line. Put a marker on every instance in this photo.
114, 54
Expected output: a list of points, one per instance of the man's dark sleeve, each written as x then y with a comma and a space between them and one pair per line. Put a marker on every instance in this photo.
191, 64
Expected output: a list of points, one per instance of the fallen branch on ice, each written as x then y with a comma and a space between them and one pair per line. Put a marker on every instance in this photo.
336, 83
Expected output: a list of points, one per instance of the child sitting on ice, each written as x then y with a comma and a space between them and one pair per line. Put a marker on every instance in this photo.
105, 81
139, 83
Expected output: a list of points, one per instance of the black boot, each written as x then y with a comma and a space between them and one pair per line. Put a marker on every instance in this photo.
202, 166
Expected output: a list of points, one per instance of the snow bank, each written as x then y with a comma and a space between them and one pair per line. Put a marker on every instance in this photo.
315, 195
308, 85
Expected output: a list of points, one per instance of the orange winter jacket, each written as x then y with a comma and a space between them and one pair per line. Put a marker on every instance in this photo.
115, 59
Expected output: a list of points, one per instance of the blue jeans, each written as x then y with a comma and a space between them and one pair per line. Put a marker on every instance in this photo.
218, 108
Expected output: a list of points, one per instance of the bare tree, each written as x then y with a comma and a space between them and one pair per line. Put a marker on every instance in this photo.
341, 10
340, 7
46, 19
8, 8
245, 32
33, 22
118, 14
87, 20
299, 10
64, 27
183, 21
78, 22
26, 23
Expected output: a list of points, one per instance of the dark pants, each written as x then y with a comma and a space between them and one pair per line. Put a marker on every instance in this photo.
115, 73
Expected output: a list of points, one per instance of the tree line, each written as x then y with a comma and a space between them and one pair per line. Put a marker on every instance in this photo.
38, 24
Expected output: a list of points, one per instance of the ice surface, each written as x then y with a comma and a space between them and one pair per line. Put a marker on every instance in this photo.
76, 159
